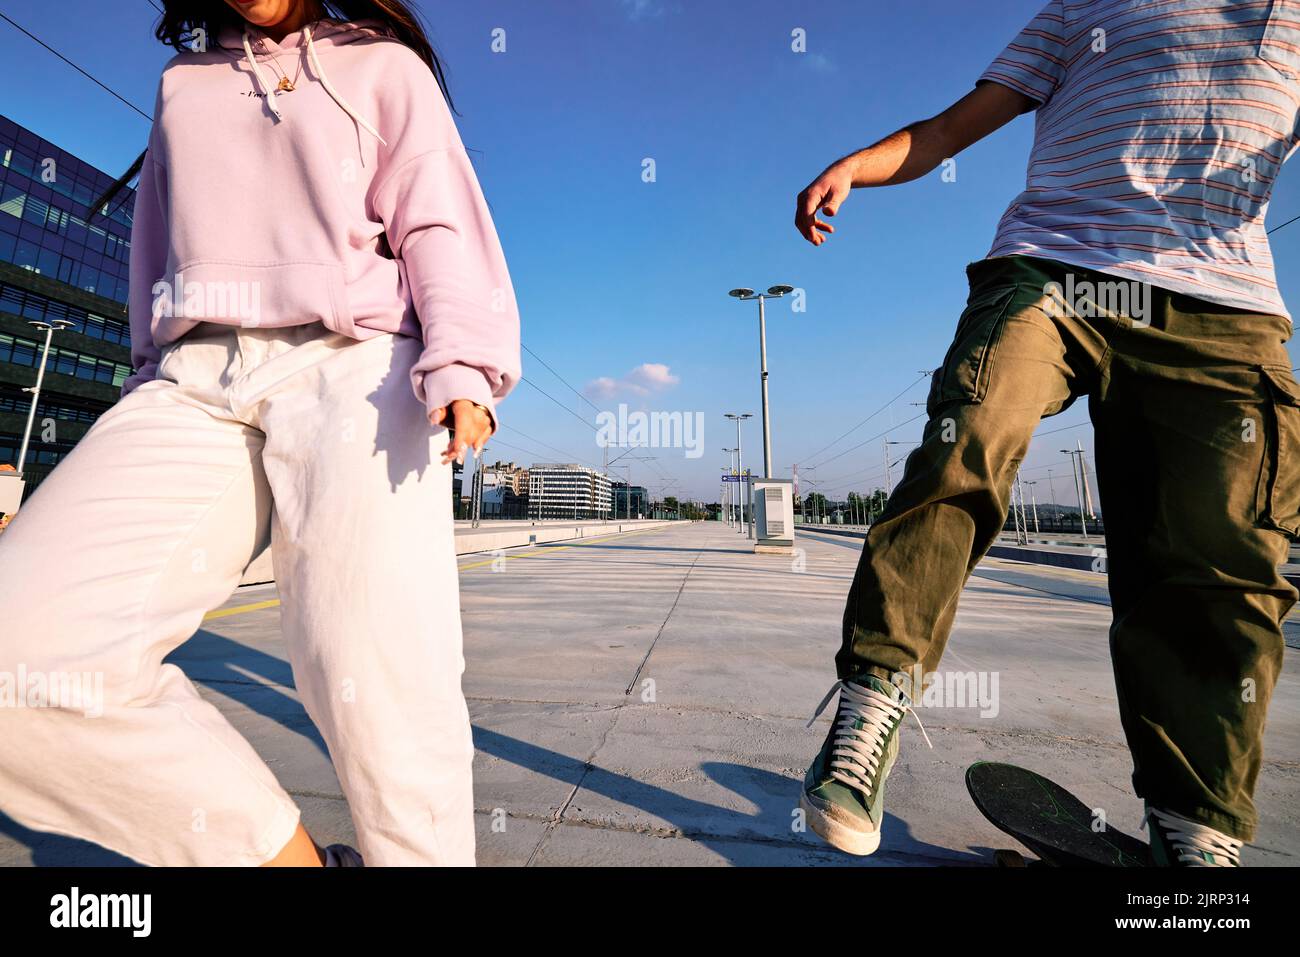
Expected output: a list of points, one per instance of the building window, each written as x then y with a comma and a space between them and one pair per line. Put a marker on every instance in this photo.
25, 352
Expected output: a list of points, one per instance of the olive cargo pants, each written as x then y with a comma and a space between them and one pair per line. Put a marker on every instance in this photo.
1197, 420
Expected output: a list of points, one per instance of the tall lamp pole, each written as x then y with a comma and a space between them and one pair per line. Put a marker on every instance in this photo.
744, 294
728, 491
1033, 503
740, 462
1078, 491
35, 390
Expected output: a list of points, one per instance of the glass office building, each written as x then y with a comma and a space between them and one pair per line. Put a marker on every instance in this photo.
58, 261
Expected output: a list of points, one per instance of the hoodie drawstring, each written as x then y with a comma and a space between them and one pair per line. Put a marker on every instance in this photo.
261, 78
334, 94
269, 91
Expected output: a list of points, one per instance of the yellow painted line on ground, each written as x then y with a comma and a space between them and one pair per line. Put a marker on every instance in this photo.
240, 609
259, 605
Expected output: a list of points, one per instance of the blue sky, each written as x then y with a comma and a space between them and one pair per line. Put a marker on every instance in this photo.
614, 273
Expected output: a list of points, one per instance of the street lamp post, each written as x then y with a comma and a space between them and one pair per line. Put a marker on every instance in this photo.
1033, 503
1051, 487
773, 292
740, 462
35, 390
803, 498
729, 493
1078, 491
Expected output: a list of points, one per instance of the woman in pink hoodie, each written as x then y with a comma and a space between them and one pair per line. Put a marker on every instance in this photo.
321, 321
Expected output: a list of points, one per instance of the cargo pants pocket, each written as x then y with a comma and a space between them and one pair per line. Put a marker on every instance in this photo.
1278, 489
968, 366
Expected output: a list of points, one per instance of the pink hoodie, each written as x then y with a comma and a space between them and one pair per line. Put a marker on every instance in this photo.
349, 200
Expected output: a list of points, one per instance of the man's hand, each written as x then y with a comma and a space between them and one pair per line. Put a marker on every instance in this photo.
468, 426
824, 194
909, 153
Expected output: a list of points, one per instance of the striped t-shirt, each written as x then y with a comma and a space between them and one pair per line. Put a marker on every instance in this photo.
1161, 127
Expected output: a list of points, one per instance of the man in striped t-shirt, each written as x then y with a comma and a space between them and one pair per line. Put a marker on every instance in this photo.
1134, 269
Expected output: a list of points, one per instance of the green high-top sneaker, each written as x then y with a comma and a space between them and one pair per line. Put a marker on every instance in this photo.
1179, 842
844, 790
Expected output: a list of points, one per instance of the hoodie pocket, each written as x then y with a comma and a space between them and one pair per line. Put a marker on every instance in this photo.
263, 294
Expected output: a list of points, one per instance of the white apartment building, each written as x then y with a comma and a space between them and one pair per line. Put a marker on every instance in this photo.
567, 491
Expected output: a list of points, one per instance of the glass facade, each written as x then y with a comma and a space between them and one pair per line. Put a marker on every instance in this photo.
45, 222
21, 351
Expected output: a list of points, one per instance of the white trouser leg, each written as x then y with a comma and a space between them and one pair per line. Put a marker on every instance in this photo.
109, 566
149, 523
364, 554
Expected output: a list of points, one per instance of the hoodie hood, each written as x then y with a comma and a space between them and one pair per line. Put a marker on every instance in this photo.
324, 32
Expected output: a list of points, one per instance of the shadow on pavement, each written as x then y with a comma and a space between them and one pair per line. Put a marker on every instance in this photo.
775, 796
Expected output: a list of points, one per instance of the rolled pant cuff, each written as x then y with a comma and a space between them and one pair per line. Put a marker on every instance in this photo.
274, 839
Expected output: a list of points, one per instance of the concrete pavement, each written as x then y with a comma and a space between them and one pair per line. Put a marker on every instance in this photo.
641, 700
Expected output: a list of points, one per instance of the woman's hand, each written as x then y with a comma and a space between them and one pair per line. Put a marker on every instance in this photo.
468, 424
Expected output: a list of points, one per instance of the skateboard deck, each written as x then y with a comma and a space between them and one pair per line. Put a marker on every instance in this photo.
1048, 820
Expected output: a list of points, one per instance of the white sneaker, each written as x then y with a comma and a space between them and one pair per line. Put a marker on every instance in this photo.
1177, 841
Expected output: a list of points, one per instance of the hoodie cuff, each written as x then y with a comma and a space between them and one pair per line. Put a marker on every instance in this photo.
147, 373
442, 387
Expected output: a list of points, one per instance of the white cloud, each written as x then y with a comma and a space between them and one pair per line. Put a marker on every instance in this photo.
639, 9
820, 63
645, 379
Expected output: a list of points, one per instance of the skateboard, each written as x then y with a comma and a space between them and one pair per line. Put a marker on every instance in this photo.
1048, 820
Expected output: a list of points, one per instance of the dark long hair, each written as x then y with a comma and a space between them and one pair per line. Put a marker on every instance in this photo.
181, 19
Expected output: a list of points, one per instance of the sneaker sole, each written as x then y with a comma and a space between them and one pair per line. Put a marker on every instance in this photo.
850, 840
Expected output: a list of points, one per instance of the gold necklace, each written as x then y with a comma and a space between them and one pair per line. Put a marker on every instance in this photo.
285, 85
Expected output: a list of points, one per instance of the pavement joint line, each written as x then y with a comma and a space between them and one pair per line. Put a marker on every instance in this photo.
558, 817
659, 634
1044, 591
246, 682
324, 795
699, 836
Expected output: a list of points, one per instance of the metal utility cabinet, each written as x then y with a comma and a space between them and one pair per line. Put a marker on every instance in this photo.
773, 505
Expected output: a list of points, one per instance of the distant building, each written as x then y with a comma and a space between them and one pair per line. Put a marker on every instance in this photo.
629, 504
567, 491
500, 500
511, 475
57, 261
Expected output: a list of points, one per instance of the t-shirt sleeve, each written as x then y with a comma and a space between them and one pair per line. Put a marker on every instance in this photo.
1034, 62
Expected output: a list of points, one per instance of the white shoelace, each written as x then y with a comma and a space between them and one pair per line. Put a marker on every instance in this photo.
1194, 843
857, 752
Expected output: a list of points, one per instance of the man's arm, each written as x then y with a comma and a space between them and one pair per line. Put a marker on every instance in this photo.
908, 154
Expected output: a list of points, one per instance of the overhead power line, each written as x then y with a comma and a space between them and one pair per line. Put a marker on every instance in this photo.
561, 378
863, 421
1287, 223
108, 89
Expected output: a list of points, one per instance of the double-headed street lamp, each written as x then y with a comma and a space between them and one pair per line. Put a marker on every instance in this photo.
728, 492
1079, 468
744, 294
740, 463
